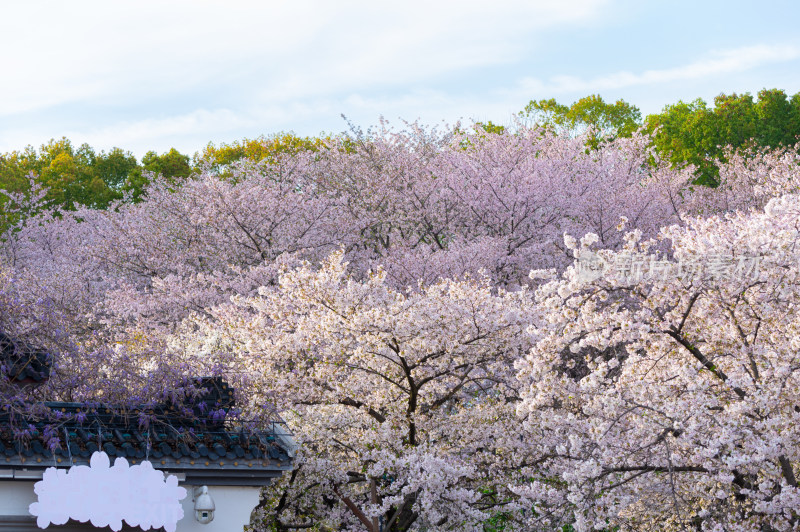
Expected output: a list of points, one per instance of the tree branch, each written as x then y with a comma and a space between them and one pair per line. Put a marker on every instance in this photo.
707, 364
355, 509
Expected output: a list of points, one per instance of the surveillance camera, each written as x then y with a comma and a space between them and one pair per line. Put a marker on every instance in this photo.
203, 505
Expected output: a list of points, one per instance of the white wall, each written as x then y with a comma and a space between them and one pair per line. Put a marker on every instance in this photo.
234, 504
16, 496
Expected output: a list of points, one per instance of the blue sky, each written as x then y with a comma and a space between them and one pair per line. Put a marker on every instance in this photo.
153, 75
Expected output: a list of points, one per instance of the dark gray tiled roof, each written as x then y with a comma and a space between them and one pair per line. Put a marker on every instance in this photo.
178, 438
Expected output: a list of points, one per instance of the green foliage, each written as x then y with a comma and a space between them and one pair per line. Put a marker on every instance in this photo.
69, 173
81, 176
500, 519
547, 113
172, 164
14, 169
497, 523
696, 134
115, 167
263, 148
685, 135
491, 127
606, 121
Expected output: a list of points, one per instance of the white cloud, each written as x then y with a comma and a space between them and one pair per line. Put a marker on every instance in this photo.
715, 64
200, 121
189, 132
151, 75
296, 107
118, 54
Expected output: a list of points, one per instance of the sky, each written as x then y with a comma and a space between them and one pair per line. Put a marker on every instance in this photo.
148, 75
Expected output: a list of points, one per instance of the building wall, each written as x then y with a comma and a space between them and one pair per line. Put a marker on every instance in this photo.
234, 504
15, 496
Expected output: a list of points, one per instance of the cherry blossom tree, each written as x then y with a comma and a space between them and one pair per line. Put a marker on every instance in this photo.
177, 252
669, 401
747, 179
403, 403
424, 205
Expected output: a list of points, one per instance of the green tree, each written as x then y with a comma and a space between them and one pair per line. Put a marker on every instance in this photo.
15, 168
684, 133
547, 113
67, 172
263, 148
778, 118
606, 121
115, 167
172, 164
491, 127
734, 119
696, 134
71, 176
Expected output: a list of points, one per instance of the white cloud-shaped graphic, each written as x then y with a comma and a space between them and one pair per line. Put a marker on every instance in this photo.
106, 495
